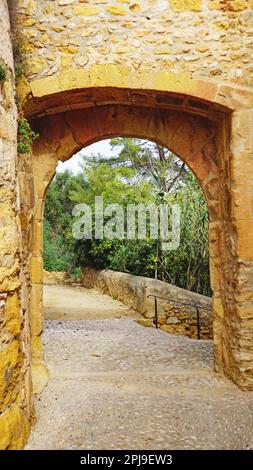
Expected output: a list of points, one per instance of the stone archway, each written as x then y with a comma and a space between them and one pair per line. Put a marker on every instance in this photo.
98, 67
200, 135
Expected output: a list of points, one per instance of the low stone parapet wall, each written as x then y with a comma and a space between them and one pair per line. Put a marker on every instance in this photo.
176, 307
59, 277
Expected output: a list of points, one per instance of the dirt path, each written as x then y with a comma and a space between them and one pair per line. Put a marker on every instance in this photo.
78, 303
117, 385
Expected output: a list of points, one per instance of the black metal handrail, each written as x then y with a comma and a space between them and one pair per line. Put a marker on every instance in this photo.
197, 307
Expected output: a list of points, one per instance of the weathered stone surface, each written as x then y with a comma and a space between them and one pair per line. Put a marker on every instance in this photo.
36, 320
59, 277
14, 427
147, 69
167, 35
203, 145
147, 322
177, 308
36, 270
15, 386
39, 375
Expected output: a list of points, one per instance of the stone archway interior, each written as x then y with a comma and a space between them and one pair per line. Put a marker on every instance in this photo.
196, 136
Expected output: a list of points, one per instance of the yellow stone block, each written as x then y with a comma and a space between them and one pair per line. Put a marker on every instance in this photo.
215, 274
28, 48
15, 427
57, 28
217, 307
185, 5
135, 7
9, 279
51, 57
122, 50
5, 434
37, 349
41, 27
39, 377
170, 81
44, 37
116, 10
8, 362
6, 202
130, 26
45, 86
147, 322
161, 51
168, 328
75, 78
110, 75
29, 22
36, 270
178, 329
29, 6
36, 310
238, 5
68, 49
29, 33
244, 248
37, 64
219, 25
8, 241
12, 314
48, 10
85, 10
66, 62
202, 49
37, 237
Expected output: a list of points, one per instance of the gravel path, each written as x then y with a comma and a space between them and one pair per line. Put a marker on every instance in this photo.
117, 385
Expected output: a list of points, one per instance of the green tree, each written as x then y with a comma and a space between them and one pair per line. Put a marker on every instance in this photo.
58, 243
141, 172
188, 266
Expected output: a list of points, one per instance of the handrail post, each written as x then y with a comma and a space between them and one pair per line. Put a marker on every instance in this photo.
198, 322
156, 313
198, 308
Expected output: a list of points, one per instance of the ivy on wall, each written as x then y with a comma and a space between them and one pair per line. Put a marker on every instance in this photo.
26, 136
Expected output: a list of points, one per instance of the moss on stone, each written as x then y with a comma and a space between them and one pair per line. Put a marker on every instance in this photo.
3, 72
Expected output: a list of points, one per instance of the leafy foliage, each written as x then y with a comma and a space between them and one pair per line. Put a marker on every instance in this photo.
141, 172
56, 257
26, 136
19, 59
188, 266
59, 252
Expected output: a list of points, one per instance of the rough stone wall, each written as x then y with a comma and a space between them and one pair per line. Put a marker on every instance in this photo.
203, 38
62, 135
117, 56
59, 277
217, 146
15, 383
137, 292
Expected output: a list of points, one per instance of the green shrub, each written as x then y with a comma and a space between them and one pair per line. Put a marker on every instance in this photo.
26, 136
19, 60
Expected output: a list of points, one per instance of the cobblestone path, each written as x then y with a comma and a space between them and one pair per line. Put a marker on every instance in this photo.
117, 385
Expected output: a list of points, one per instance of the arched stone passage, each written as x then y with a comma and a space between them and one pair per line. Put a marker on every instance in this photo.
115, 57
199, 138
